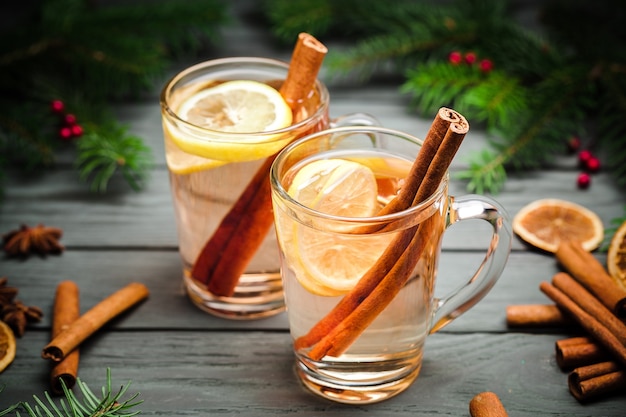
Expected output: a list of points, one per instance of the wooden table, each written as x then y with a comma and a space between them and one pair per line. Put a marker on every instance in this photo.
185, 362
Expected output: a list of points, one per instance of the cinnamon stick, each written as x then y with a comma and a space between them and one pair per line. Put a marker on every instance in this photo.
577, 293
226, 254
486, 404
339, 339
589, 322
425, 159
334, 333
65, 311
587, 270
575, 352
593, 381
535, 315
87, 324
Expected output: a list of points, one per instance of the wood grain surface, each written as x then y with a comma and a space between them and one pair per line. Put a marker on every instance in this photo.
184, 362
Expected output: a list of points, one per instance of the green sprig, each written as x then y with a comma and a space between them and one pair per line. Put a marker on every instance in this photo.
89, 55
109, 149
109, 404
545, 87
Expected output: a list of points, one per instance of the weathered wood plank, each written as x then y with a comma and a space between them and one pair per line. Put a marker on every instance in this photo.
100, 272
250, 374
122, 218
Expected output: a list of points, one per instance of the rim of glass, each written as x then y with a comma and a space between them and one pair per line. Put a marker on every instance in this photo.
227, 136
386, 218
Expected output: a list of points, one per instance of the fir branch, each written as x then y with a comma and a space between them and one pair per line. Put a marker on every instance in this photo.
110, 404
108, 149
87, 54
545, 86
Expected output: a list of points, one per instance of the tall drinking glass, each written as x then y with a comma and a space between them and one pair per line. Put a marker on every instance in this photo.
210, 176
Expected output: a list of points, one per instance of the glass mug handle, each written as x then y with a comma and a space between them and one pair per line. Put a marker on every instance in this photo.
459, 301
354, 119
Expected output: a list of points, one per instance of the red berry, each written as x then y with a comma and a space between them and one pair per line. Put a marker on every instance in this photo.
584, 156
77, 130
592, 164
486, 65
470, 58
65, 133
455, 57
57, 106
70, 119
584, 180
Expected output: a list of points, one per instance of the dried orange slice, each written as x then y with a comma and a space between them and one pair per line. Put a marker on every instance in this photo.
7, 346
616, 257
545, 223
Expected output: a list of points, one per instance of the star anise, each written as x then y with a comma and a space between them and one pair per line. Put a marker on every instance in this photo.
39, 239
7, 294
17, 315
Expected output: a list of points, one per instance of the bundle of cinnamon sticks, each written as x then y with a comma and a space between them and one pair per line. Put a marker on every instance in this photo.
584, 297
335, 332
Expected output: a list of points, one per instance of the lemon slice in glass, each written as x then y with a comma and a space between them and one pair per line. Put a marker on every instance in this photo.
233, 107
181, 162
330, 263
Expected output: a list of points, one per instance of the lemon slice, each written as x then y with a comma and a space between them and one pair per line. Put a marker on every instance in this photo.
7, 346
233, 107
545, 223
181, 162
330, 263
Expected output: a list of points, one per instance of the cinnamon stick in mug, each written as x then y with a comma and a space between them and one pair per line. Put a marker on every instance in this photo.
377, 288
336, 331
65, 311
93, 320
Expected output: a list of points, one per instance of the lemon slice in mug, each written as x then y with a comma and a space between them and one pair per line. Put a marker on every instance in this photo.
241, 106
330, 263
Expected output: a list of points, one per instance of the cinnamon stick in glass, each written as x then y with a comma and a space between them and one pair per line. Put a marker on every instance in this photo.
376, 289
587, 270
227, 253
535, 315
65, 311
589, 322
597, 380
90, 322
486, 404
578, 351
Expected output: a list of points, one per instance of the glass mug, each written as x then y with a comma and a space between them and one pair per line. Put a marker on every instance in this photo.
357, 342
205, 191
